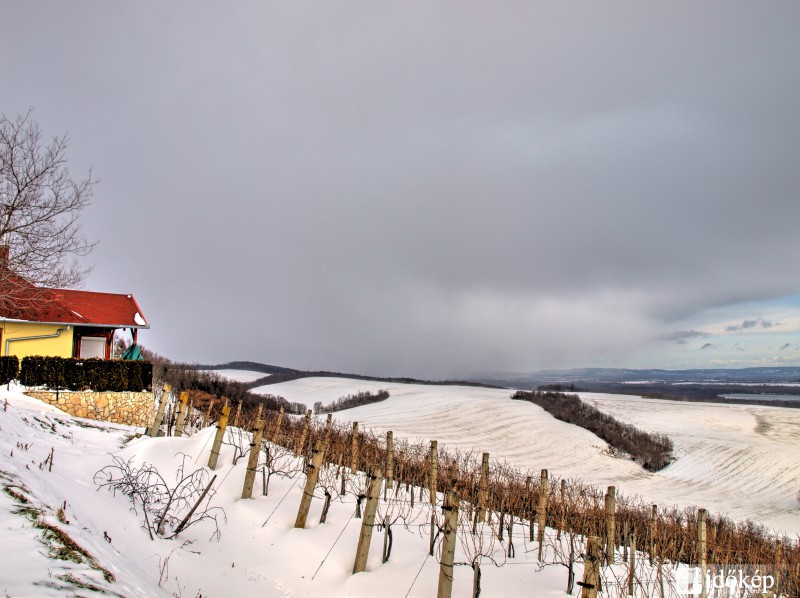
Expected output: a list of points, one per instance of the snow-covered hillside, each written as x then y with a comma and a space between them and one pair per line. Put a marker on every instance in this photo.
258, 553
739, 460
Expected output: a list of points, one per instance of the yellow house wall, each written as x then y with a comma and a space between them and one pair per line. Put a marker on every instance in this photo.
60, 346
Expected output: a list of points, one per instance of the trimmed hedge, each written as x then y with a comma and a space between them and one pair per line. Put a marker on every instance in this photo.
9, 368
80, 374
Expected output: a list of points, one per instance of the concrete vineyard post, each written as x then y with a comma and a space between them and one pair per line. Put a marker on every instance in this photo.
701, 548
207, 419
183, 405
312, 475
389, 463
354, 449
434, 470
368, 522
591, 568
450, 515
238, 413
653, 532
252, 460
541, 512
277, 430
160, 413
611, 509
631, 562
223, 423
483, 488
300, 449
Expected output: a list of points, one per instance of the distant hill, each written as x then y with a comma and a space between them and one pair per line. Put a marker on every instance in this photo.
276, 374
756, 375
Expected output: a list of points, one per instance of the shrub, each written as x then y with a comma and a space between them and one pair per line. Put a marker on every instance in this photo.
79, 374
353, 400
9, 369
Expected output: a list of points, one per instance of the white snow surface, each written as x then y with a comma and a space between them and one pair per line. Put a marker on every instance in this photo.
258, 554
739, 460
239, 375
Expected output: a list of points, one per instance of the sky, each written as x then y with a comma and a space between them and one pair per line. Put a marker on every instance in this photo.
433, 188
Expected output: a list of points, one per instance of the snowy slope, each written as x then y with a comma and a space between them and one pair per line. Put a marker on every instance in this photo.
258, 553
735, 459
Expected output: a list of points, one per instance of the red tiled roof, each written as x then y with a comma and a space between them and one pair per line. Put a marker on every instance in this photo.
27, 302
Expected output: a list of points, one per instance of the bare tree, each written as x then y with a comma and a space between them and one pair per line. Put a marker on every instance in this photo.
40, 204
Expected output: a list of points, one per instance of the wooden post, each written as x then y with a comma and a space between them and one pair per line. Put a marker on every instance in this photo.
207, 420
701, 548
541, 512
223, 423
591, 567
311, 482
277, 429
779, 564
434, 472
483, 488
450, 515
354, 449
183, 405
631, 562
611, 509
653, 532
306, 425
238, 413
368, 522
160, 413
252, 460
389, 463
530, 509
562, 524
328, 427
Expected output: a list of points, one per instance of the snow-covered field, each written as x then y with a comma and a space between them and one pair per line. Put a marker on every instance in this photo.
740, 460
258, 553
239, 375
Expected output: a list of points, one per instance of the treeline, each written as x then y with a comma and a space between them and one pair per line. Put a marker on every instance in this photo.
205, 386
352, 400
276, 375
651, 451
695, 393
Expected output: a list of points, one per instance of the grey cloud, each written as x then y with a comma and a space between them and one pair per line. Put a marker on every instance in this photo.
785, 346
707, 346
749, 324
680, 336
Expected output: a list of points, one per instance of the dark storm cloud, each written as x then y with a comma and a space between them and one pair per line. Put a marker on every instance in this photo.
750, 324
423, 188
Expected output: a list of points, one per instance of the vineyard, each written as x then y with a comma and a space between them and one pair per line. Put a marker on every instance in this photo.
500, 507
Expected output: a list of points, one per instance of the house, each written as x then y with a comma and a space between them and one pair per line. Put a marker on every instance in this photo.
61, 322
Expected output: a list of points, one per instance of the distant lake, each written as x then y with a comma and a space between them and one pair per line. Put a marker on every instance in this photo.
759, 397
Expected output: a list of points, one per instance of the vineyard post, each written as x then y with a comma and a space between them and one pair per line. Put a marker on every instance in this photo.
562, 510
483, 488
591, 567
300, 448
277, 429
450, 514
631, 562
207, 419
160, 413
252, 460
328, 427
529, 507
312, 473
183, 403
389, 463
611, 507
223, 423
701, 548
653, 532
778, 566
434, 471
354, 449
541, 512
364, 539
238, 413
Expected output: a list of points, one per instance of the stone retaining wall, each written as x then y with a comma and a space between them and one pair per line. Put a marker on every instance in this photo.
132, 408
